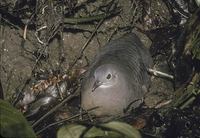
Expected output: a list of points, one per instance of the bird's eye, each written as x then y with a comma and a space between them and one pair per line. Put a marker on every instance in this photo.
108, 76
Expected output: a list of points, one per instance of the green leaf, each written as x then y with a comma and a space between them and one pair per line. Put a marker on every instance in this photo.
71, 131
123, 128
13, 123
98, 132
106, 130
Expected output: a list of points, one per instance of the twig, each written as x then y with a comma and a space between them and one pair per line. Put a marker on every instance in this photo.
25, 32
162, 103
1, 91
87, 42
38, 59
77, 20
59, 91
26, 26
36, 34
94, 32
177, 7
161, 74
65, 120
43, 9
11, 23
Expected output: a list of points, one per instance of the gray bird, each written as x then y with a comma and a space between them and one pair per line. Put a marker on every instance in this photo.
117, 78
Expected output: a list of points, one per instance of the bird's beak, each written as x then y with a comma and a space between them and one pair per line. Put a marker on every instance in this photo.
96, 85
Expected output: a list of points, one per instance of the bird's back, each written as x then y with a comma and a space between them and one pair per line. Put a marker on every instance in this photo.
130, 55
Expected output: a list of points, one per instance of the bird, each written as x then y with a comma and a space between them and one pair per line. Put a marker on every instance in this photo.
117, 78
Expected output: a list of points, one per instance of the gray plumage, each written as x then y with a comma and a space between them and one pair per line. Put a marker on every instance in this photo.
117, 77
